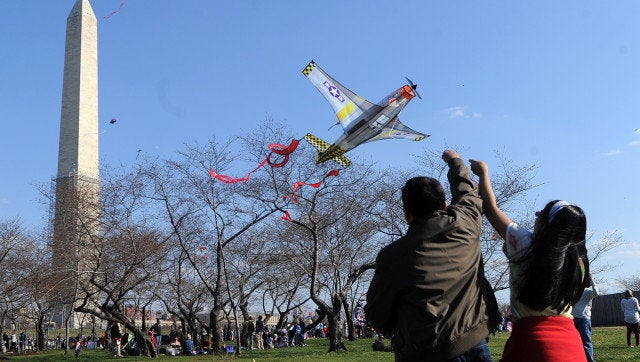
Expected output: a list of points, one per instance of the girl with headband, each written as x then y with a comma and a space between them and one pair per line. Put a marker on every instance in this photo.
548, 269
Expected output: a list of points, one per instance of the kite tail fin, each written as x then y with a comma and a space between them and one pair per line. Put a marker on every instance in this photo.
327, 152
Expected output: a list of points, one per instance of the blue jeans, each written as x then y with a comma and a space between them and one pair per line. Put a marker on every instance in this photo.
479, 353
583, 325
158, 342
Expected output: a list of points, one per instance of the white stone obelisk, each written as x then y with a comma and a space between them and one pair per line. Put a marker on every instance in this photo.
77, 202
78, 151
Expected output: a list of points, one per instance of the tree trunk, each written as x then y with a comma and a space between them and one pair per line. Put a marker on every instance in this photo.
349, 319
146, 348
215, 331
282, 320
335, 336
144, 318
40, 332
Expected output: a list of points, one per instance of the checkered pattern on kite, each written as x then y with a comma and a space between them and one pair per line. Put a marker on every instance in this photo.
335, 153
309, 68
342, 160
316, 142
332, 152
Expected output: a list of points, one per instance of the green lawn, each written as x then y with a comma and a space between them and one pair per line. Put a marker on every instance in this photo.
609, 342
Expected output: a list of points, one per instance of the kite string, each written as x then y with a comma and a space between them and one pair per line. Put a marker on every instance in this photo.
115, 11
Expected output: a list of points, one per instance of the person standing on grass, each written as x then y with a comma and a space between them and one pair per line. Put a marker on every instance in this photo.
429, 289
582, 317
630, 308
260, 332
548, 271
157, 333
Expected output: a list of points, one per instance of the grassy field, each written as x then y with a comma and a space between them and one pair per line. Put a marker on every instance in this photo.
609, 342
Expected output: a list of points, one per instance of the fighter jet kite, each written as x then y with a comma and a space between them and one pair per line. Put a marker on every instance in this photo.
361, 120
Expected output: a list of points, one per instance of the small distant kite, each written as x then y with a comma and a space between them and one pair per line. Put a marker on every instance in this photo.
202, 252
637, 131
113, 120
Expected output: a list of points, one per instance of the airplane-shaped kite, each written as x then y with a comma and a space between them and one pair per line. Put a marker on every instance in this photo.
361, 120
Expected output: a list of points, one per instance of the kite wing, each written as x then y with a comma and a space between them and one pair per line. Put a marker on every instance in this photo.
348, 106
335, 153
397, 129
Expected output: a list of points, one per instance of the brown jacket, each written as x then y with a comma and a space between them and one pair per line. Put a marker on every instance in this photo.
429, 287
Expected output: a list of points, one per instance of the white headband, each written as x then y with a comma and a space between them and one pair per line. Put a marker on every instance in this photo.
557, 207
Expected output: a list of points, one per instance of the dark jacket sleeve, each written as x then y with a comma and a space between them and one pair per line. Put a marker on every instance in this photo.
381, 296
464, 193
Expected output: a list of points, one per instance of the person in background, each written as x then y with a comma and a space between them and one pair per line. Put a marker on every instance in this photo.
78, 347
188, 345
630, 308
259, 333
157, 333
582, 317
116, 337
548, 271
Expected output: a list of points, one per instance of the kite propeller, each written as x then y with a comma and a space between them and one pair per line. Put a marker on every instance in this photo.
413, 86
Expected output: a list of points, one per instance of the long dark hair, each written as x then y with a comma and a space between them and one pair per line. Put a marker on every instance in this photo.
557, 263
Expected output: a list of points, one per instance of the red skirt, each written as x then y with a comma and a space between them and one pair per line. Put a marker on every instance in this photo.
544, 339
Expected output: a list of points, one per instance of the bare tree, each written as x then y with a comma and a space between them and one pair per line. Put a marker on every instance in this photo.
38, 286
631, 283
599, 248
15, 247
202, 212
119, 263
284, 289
335, 240
184, 295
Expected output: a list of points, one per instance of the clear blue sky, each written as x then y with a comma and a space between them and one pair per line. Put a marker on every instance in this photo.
550, 83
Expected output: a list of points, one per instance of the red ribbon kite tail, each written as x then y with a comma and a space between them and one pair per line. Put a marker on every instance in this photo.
275, 148
286, 216
333, 172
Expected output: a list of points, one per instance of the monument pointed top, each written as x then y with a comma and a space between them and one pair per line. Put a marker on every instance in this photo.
82, 7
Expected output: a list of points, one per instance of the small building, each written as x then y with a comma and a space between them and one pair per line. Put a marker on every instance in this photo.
606, 310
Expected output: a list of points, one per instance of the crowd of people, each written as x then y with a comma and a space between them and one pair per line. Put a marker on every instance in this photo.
16, 342
257, 335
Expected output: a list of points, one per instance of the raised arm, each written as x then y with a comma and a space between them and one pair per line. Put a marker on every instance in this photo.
464, 193
498, 219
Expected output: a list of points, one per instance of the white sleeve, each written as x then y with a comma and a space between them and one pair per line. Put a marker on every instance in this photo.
518, 240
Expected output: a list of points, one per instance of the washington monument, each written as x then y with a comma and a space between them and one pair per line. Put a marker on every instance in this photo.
77, 201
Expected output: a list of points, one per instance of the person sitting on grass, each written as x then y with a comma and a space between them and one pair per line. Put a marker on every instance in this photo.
174, 347
379, 346
188, 345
